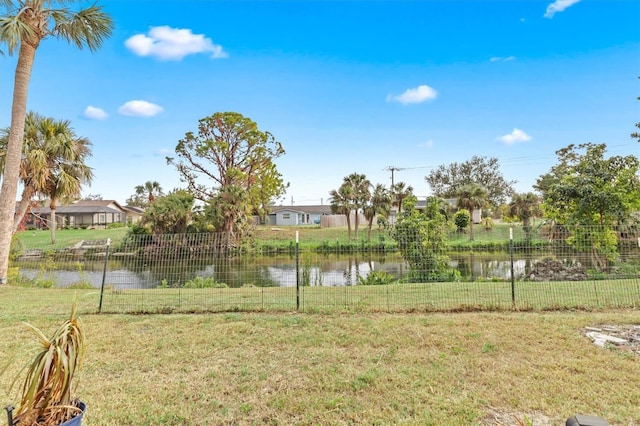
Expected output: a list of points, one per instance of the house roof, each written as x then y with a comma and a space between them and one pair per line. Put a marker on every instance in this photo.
73, 209
316, 209
84, 206
134, 209
95, 203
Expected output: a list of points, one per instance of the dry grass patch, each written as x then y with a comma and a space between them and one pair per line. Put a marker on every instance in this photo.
309, 369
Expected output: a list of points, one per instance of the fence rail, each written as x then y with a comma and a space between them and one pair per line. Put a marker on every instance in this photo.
505, 268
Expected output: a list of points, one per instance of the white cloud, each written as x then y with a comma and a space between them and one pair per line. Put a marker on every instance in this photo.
163, 152
502, 58
558, 6
140, 109
516, 136
426, 145
418, 95
93, 113
172, 44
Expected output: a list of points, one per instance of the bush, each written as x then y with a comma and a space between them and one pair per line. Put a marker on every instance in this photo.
376, 278
200, 282
462, 218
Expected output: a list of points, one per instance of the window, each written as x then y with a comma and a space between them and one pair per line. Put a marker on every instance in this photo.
101, 218
286, 216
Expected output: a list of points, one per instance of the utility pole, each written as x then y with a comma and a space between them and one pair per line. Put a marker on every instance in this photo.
392, 169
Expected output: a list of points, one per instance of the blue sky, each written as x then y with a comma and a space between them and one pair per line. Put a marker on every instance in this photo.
348, 86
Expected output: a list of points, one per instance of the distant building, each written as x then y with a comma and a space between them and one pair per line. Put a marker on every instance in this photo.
298, 215
85, 213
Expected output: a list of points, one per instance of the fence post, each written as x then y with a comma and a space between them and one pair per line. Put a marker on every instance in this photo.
297, 274
104, 273
513, 286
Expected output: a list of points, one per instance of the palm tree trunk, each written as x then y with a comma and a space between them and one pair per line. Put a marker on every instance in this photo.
23, 205
356, 224
11, 175
54, 221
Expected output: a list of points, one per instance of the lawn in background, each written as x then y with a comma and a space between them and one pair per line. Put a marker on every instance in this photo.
41, 239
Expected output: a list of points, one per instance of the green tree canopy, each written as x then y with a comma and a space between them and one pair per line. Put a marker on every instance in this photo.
422, 241
471, 197
591, 195
587, 188
146, 194
525, 207
379, 204
352, 196
340, 203
53, 164
446, 180
229, 162
399, 192
170, 214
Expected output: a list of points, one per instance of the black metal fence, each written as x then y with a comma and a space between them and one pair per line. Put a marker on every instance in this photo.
502, 268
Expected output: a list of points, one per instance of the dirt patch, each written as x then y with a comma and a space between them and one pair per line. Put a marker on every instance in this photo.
497, 417
553, 270
625, 338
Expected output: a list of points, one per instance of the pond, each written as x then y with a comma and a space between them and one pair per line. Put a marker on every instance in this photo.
269, 271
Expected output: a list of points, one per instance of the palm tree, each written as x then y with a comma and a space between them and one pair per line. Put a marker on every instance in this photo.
380, 203
359, 194
53, 156
340, 204
471, 197
150, 190
23, 26
399, 192
525, 207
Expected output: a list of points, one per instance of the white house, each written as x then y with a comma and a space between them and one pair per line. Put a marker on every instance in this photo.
298, 215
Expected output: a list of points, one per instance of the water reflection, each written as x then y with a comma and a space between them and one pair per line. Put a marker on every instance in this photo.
277, 271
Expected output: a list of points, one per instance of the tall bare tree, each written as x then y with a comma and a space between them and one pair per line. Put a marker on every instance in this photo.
225, 164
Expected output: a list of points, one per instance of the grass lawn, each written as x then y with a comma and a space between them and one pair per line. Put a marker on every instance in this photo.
308, 236
41, 239
338, 369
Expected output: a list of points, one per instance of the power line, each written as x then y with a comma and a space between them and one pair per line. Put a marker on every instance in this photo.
393, 169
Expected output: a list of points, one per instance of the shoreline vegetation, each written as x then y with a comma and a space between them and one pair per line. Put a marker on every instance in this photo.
278, 238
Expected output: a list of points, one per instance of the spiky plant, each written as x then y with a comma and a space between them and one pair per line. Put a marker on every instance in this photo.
50, 380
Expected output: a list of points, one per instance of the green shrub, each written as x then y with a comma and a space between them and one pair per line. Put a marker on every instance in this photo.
462, 218
81, 285
376, 278
200, 282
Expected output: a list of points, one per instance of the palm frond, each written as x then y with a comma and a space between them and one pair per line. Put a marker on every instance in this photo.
47, 388
13, 30
88, 27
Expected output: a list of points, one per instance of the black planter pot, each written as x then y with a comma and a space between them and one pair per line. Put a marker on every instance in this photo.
74, 421
77, 420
